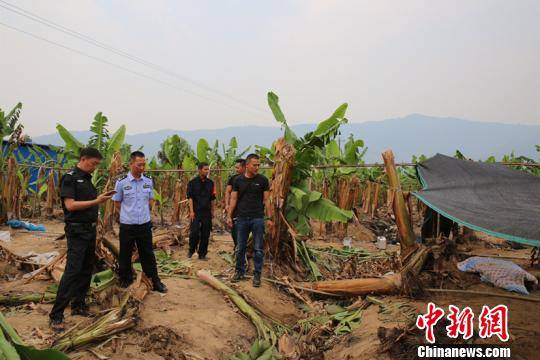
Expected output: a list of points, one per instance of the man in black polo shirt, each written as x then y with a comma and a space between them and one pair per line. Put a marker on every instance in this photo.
249, 194
240, 169
80, 203
201, 193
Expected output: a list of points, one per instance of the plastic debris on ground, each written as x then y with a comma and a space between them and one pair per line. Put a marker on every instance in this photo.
5, 236
18, 224
501, 273
41, 259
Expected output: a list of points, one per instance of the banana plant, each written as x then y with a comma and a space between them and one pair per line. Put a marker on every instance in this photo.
303, 204
173, 150
101, 139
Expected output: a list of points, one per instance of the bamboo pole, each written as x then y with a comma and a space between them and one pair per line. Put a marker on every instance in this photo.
405, 230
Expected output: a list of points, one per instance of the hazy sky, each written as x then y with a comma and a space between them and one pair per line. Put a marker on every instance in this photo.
473, 59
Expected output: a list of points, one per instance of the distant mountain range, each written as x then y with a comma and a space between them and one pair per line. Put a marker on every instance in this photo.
407, 136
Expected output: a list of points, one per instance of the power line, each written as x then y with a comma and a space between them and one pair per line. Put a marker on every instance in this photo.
36, 18
120, 67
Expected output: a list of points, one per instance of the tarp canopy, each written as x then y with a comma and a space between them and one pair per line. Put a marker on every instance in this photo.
486, 197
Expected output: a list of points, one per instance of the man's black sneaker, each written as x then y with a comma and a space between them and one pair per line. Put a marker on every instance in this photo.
203, 258
81, 311
57, 324
238, 277
159, 286
257, 279
189, 254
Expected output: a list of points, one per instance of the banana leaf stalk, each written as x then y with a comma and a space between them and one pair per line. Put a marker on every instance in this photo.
306, 256
8, 300
264, 330
7, 351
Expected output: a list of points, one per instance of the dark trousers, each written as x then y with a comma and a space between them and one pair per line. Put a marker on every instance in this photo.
245, 226
199, 234
234, 234
142, 236
80, 259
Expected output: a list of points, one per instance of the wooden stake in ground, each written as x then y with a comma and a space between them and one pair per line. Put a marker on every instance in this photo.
279, 188
405, 230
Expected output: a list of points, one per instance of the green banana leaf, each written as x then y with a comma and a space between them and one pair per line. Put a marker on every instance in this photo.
72, 144
101, 134
202, 150
326, 210
273, 103
116, 141
23, 351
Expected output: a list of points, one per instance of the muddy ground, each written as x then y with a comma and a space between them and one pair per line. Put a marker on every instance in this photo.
194, 321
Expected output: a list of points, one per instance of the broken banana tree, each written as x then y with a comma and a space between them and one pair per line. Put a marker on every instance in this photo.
109, 213
390, 284
281, 183
118, 319
407, 238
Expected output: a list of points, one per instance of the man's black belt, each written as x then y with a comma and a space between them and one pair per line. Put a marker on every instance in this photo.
136, 226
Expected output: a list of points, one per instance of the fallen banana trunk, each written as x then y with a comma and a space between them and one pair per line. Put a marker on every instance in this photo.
114, 321
359, 287
391, 284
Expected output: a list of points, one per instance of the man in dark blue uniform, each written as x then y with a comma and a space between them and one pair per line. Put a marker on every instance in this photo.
80, 203
200, 192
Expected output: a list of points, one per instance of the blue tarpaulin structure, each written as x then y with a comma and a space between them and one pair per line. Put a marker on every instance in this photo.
27, 153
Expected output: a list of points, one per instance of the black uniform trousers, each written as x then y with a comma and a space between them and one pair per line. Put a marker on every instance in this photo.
80, 260
199, 234
142, 236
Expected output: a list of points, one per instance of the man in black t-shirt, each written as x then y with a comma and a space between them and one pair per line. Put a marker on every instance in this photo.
249, 194
240, 169
200, 192
80, 203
